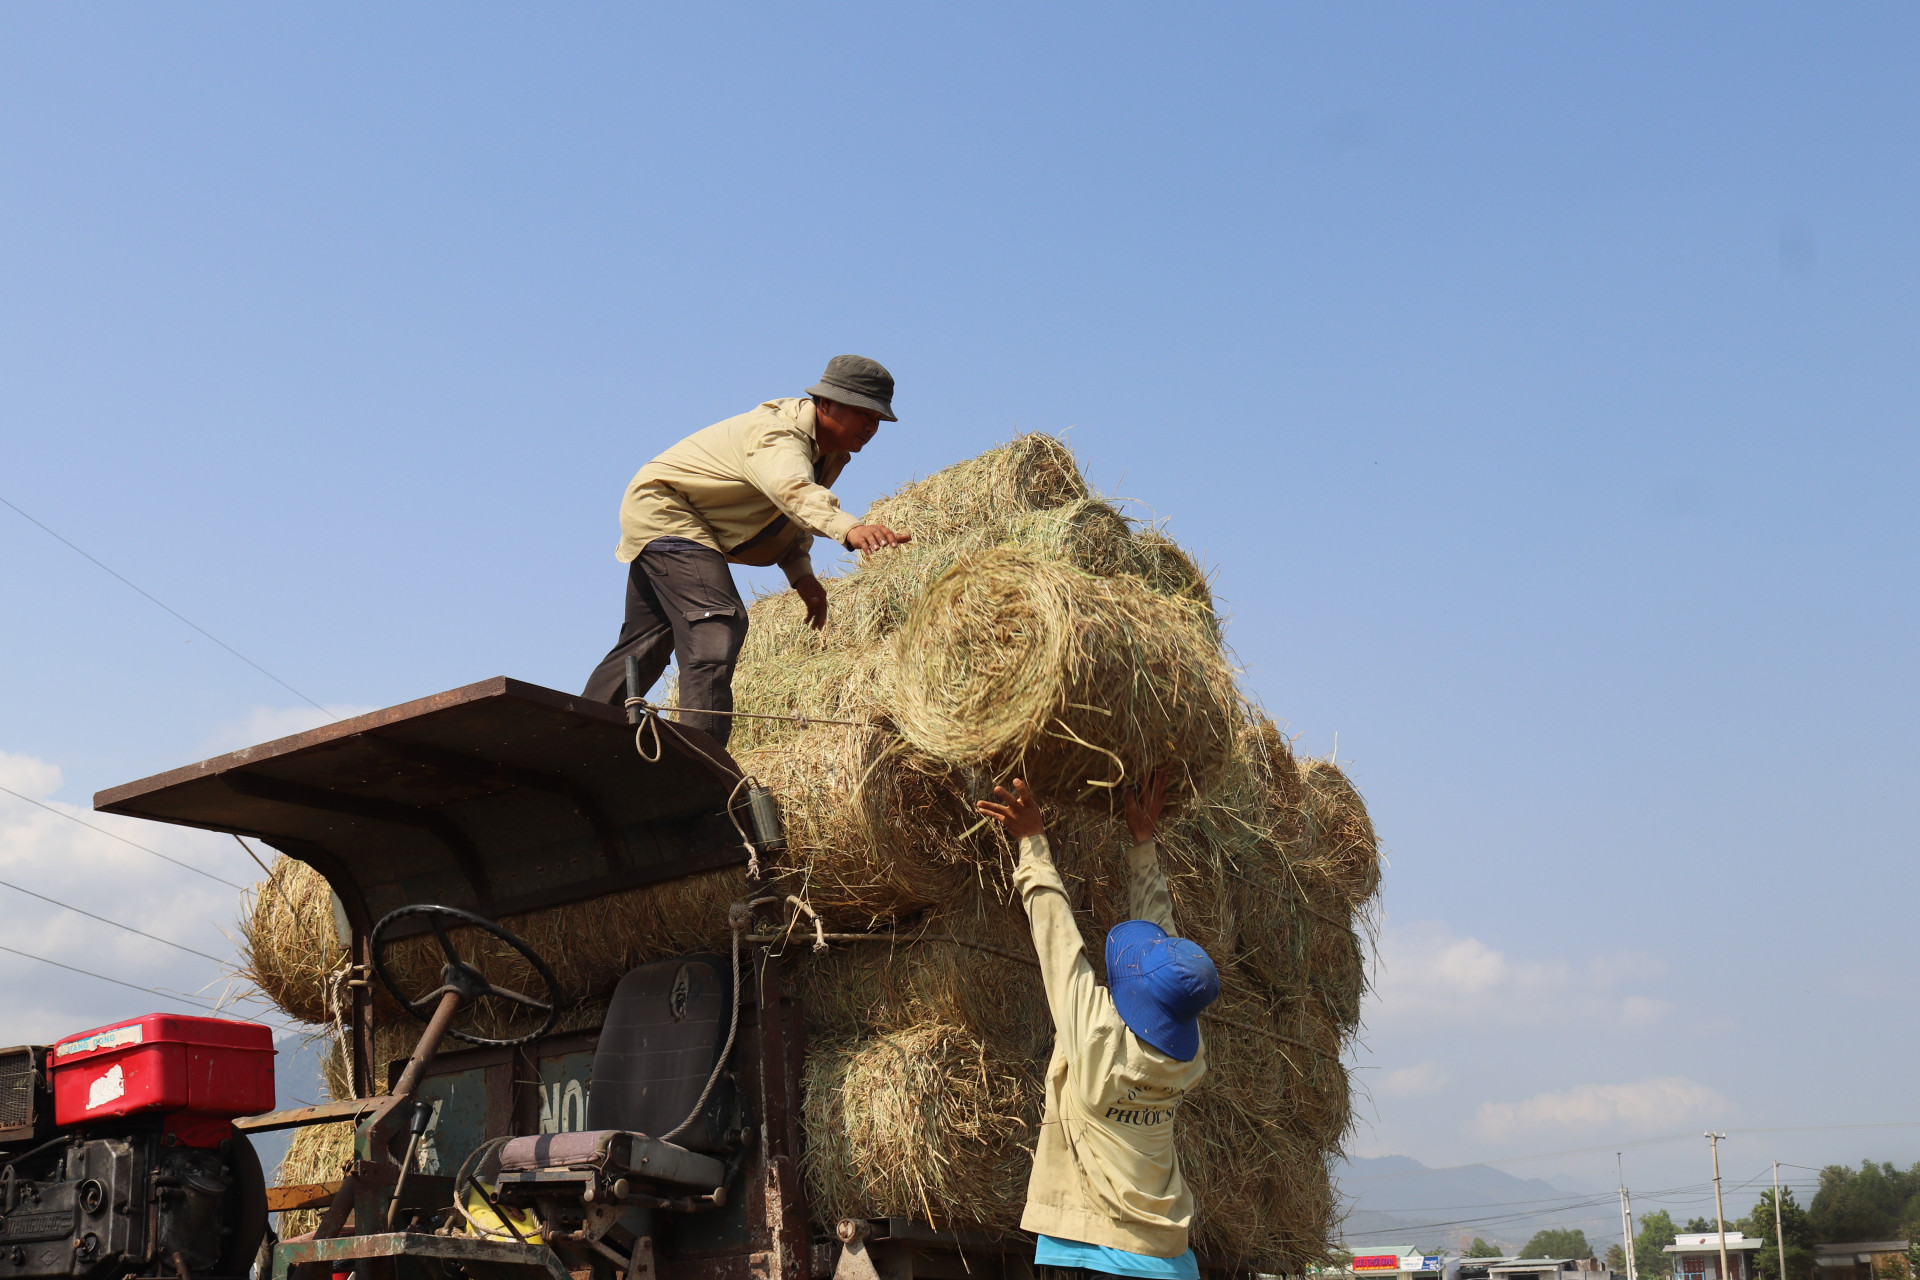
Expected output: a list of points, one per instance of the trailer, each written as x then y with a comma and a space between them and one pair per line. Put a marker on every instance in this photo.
662, 1144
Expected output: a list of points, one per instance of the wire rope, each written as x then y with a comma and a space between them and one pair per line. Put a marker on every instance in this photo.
188, 866
169, 608
80, 911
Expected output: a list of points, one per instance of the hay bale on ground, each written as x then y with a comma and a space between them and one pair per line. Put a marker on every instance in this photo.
925, 1057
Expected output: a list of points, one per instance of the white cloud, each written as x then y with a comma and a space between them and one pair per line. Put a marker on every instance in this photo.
49, 853
1644, 1106
29, 775
265, 724
1431, 978
1413, 1082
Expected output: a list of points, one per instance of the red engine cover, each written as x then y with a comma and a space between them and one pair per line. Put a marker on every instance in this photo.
203, 1071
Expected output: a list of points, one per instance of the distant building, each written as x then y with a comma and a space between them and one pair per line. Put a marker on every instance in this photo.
1405, 1264
1697, 1257
1860, 1260
1396, 1264
1546, 1269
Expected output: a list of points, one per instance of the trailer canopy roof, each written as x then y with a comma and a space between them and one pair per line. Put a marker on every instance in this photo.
498, 797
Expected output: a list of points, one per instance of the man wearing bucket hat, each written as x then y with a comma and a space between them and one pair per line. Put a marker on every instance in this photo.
1106, 1195
750, 490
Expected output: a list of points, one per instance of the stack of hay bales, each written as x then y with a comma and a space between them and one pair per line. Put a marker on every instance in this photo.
1028, 629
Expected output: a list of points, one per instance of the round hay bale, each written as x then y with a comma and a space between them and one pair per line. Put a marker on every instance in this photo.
289, 945
878, 838
1168, 569
1015, 663
1340, 848
315, 1154
589, 945
860, 988
925, 1123
1032, 472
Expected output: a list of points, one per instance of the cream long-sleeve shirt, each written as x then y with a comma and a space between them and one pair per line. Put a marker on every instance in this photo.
1104, 1170
753, 488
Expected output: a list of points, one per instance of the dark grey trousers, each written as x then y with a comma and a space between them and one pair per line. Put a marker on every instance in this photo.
681, 602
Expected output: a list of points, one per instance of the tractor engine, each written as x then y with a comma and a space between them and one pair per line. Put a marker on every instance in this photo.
118, 1155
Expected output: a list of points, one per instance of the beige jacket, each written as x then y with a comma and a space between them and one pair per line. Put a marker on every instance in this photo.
1104, 1171
753, 488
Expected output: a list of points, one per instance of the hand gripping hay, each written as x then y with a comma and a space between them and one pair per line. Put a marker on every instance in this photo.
1078, 683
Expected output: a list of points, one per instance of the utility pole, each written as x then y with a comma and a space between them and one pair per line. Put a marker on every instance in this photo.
1779, 1232
1626, 1216
1719, 1213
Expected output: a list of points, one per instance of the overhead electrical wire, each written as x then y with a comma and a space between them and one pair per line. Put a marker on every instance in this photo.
122, 839
132, 986
170, 609
1525, 1210
80, 911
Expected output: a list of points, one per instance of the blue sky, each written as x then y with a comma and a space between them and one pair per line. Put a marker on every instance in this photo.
1539, 380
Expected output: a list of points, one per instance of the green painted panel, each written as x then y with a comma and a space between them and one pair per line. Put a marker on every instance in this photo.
566, 1082
459, 1101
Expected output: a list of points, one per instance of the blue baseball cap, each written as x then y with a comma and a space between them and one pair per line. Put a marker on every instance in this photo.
1160, 985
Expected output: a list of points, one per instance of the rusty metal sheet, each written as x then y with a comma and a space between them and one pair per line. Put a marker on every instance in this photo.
319, 1113
498, 1257
422, 1192
496, 797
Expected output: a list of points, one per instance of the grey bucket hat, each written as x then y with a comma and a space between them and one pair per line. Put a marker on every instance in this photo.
858, 381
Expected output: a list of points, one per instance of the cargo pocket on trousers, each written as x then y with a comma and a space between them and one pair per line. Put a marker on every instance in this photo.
714, 635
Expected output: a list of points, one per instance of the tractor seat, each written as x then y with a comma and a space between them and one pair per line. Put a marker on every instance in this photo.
664, 1031
614, 1153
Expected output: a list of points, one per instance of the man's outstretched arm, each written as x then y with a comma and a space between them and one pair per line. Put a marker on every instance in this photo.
1147, 895
1073, 996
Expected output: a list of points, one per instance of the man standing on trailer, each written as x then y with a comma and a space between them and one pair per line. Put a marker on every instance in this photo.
750, 490
1106, 1195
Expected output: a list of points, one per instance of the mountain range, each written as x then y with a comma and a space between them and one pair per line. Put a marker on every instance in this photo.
1396, 1200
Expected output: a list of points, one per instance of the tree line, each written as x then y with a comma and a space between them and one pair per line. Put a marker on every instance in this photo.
1873, 1202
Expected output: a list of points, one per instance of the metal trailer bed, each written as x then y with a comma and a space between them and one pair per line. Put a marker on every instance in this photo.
498, 798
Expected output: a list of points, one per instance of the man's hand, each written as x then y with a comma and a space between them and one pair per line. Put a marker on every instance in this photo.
815, 597
1143, 806
875, 537
1019, 812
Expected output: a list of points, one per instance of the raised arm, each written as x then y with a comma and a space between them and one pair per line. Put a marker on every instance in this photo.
780, 465
1073, 996
1147, 896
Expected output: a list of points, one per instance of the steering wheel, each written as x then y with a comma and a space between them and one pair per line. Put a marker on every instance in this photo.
462, 977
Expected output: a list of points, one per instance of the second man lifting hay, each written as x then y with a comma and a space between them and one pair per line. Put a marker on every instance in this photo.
1107, 1197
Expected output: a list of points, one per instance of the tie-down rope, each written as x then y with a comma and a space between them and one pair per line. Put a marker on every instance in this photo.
822, 938
649, 726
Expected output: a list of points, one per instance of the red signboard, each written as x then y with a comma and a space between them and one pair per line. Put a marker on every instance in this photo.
1377, 1262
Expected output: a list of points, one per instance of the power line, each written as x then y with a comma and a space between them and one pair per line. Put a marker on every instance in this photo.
68, 906
132, 986
1525, 1210
175, 612
122, 839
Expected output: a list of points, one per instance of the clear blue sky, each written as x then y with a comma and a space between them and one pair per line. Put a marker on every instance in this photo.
1540, 379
